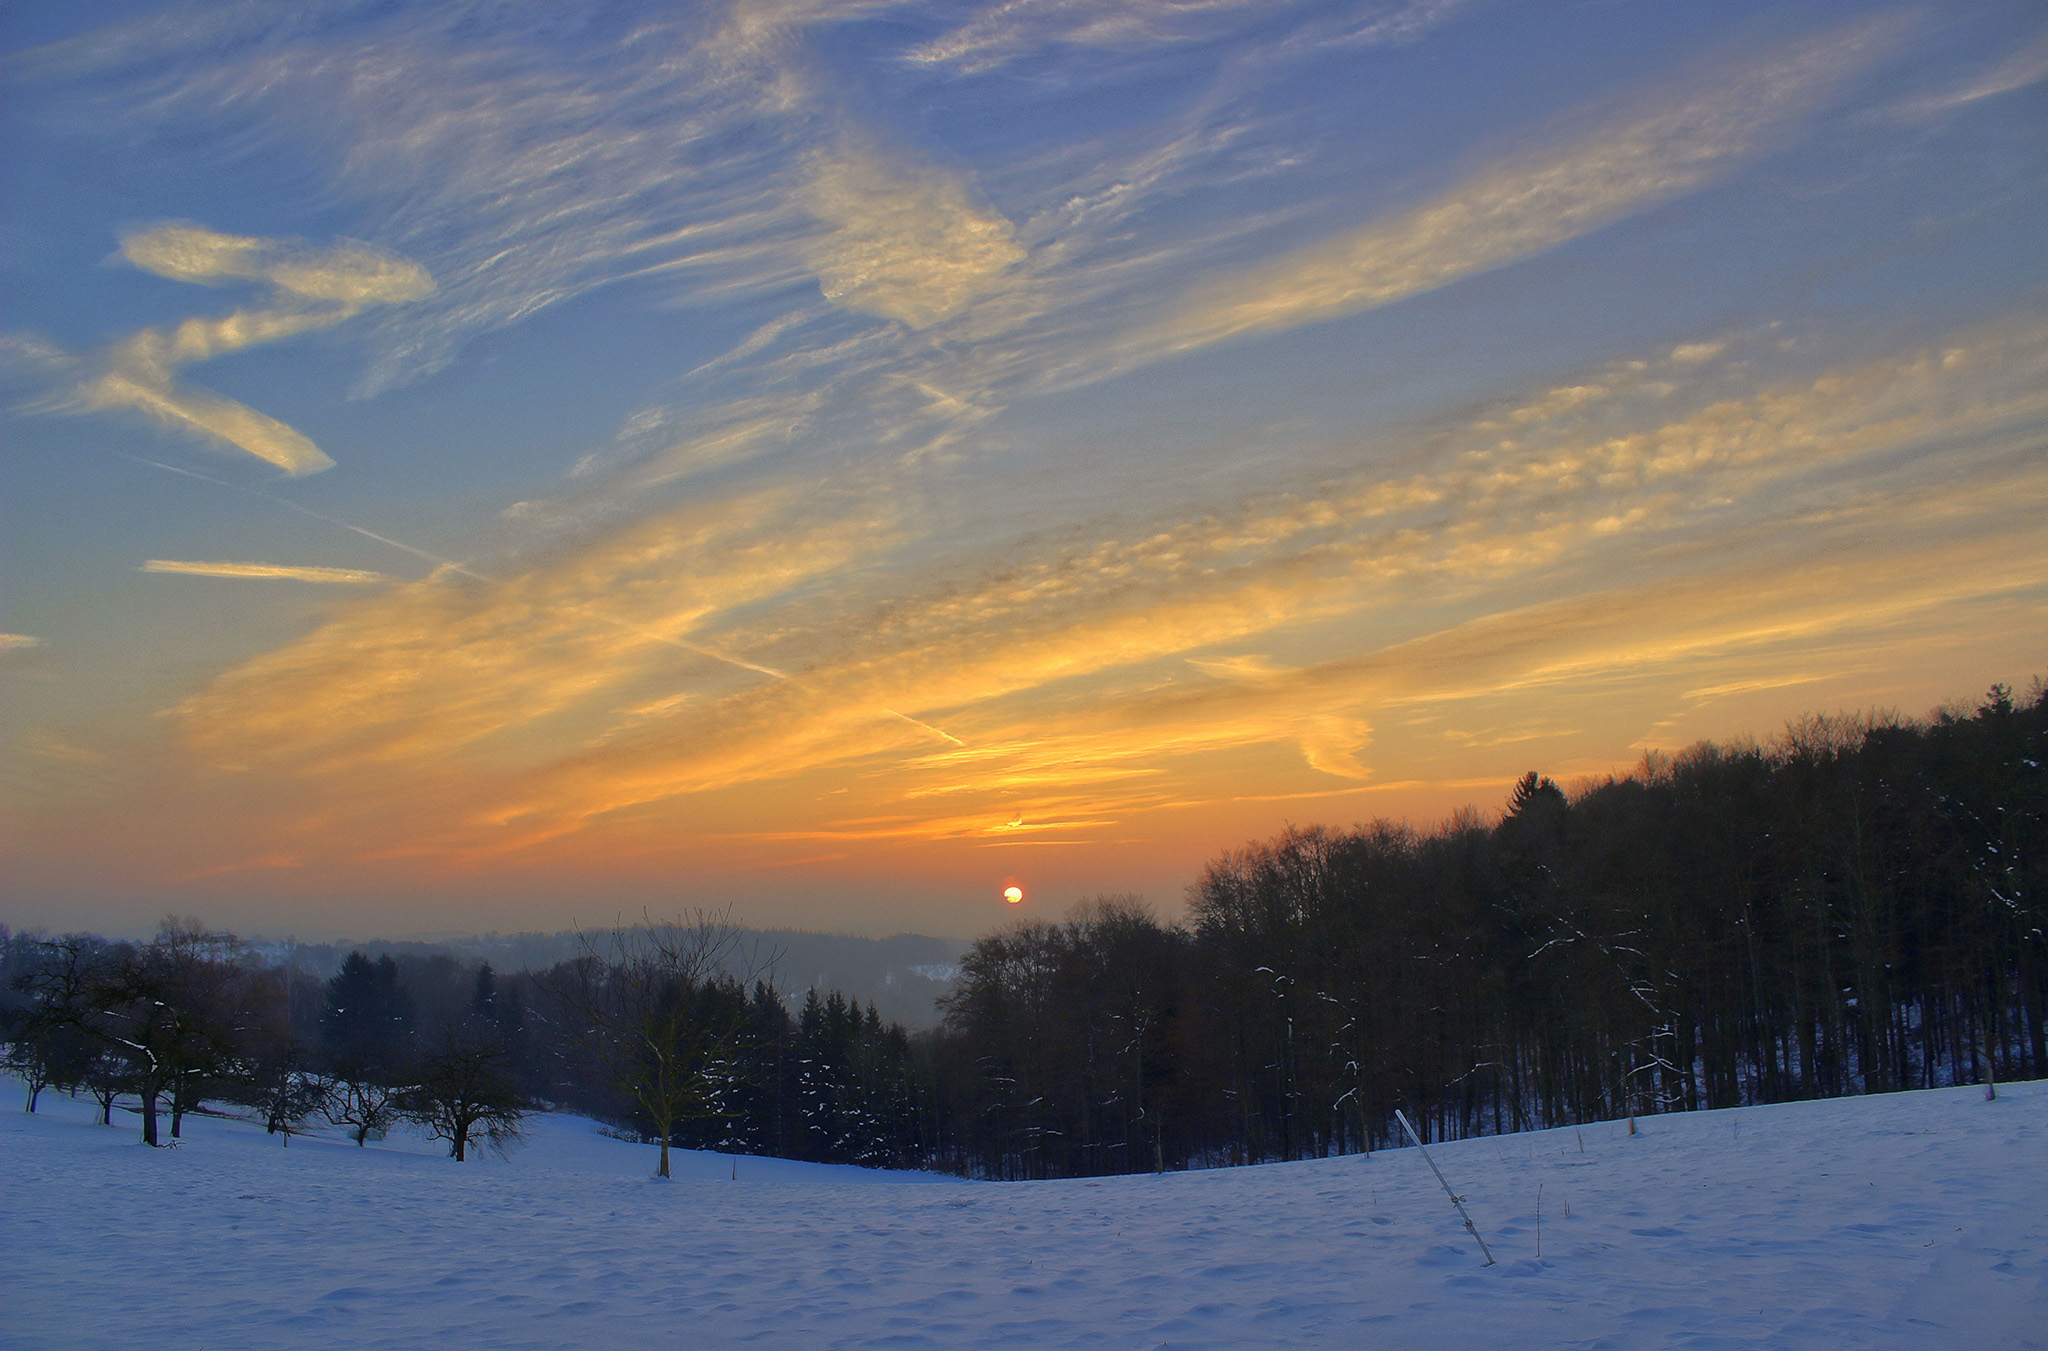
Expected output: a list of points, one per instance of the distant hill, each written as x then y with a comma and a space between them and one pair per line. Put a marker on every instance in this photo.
902, 976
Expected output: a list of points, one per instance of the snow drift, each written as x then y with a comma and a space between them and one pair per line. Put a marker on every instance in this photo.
1899, 1221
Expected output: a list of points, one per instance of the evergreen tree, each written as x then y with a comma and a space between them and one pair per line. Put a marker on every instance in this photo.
366, 1023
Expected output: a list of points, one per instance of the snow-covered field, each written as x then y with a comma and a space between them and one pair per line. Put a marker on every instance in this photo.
1910, 1220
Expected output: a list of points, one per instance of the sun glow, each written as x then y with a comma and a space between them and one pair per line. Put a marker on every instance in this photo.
954, 505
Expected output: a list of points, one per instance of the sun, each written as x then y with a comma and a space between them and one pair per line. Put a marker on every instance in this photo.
1014, 895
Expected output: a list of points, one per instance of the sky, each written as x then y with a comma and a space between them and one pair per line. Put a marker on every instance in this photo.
481, 466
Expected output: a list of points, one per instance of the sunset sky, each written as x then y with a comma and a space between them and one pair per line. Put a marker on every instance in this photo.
472, 465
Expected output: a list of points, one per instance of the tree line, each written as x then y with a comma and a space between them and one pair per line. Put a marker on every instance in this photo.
191, 1018
651, 1030
1858, 906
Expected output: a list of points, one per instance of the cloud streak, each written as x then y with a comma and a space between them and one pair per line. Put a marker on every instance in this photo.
348, 276
1100, 664
1528, 204
285, 572
531, 162
311, 289
2022, 69
386, 680
885, 556
1006, 32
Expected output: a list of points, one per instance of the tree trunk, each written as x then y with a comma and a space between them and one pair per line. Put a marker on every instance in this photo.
177, 1119
664, 1125
149, 1118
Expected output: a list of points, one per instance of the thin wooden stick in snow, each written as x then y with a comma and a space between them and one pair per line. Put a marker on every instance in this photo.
1456, 1199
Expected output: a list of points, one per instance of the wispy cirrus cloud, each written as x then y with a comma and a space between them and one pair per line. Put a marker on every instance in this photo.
45, 744
1005, 32
311, 289
820, 557
1105, 660
1080, 301
530, 162
283, 572
595, 626
681, 151
210, 417
348, 276
904, 245
2026, 67
525, 160
1532, 202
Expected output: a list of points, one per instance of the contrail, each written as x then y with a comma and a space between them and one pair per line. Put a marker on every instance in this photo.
451, 565
290, 505
927, 726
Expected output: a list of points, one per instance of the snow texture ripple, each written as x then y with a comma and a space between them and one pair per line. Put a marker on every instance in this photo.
1912, 1220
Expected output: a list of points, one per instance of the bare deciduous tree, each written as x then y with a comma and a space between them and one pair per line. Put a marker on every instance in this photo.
467, 1092
364, 1105
638, 995
49, 1044
173, 1009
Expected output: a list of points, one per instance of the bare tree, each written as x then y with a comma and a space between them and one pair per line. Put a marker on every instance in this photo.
48, 1042
366, 1046
174, 1010
467, 1091
365, 1105
106, 1078
638, 995
280, 1086
274, 1076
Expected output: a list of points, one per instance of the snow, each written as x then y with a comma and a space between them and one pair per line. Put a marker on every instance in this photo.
1901, 1221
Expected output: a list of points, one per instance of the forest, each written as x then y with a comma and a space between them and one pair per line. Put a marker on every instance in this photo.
1857, 906
653, 1030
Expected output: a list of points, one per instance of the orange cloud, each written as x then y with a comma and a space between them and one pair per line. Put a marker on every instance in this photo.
286, 572
1652, 518
312, 289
